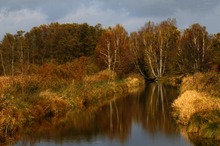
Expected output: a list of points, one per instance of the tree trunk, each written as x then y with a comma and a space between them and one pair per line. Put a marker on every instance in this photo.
135, 53
161, 58
22, 58
12, 61
3, 67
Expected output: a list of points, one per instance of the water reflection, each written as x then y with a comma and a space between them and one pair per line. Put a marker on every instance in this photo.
143, 115
149, 109
155, 109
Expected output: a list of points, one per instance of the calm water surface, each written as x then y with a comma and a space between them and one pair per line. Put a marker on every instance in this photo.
142, 118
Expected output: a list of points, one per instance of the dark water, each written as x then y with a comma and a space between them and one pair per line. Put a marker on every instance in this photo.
142, 118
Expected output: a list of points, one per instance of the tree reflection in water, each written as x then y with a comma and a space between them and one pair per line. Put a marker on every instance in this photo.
149, 108
156, 109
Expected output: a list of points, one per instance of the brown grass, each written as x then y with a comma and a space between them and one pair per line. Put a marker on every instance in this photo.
203, 82
198, 106
5, 82
206, 124
25, 100
191, 102
134, 82
172, 80
53, 104
105, 75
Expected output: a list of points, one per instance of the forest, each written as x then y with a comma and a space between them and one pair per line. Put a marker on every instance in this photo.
156, 50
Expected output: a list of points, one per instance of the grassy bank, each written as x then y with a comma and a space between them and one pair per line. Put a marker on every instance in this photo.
198, 106
27, 100
172, 80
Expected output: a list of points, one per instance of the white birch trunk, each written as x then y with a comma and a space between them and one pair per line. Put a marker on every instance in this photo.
203, 47
161, 58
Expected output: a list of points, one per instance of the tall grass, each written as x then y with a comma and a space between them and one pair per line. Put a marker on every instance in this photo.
191, 102
203, 82
26, 100
206, 123
23, 102
5, 82
198, 106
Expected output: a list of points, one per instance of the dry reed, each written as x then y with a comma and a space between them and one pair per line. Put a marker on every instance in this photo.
191, 102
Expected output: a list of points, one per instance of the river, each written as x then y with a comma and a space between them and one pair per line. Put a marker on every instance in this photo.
141, 118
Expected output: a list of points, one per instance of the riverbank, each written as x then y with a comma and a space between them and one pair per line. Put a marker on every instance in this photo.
198, 106
174, 81
27, 100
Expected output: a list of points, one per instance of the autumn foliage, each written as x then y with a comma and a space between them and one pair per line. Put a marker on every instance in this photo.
50, 66
156, 50
112, 51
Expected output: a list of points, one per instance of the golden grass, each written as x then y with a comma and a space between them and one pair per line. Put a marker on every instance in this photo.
17, 84
191, 102
202, 82
105, 75
134, 82
174, 81
5, 82
206, 124
54, 104
25, 100
198, 106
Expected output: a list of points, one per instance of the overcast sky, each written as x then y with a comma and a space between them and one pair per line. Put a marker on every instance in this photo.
132, 14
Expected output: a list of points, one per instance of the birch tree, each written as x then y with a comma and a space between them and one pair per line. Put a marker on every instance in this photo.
158, 41
214, 55
194, 48
112, 51
20, 47
2, 60
8, 52
104, 51
137, 53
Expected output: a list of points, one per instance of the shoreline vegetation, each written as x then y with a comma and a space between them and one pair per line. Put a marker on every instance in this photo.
197, 108
28, 100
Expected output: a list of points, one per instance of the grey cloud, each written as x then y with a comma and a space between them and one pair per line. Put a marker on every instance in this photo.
55, 9
128, 12
196, 5
161, 8
141, 7
23, 19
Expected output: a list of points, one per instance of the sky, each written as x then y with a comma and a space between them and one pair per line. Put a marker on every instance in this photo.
132, 14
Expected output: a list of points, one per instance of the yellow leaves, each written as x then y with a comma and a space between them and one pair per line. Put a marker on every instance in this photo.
112, 50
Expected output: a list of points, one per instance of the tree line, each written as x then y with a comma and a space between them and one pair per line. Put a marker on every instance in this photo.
156, 50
